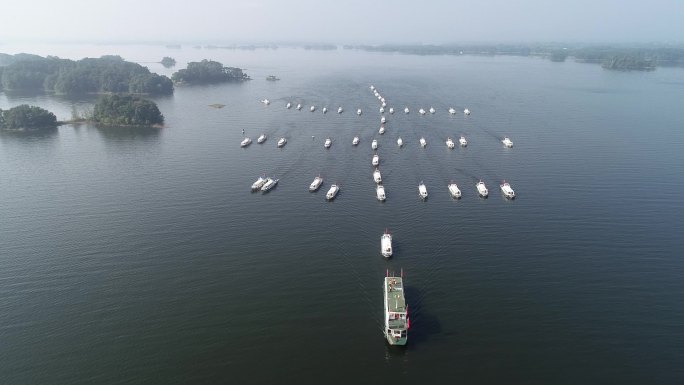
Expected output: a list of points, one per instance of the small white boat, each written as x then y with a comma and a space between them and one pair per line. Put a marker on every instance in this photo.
288, 105
386, 244
400, 142
466, 111
316, 183
381, 130
374, 144
507, 142
422, 190
376, 176
383, 103
313, 108
380, 192
245, 142
376, 160
406, 110
382, 110
423, 143
355, 141
282, 142
454, 190
258, 184
299, 107
325, 110
432, 110
266, 102
330, 195
452, 111
421, 111
507, 190
482, 189
270, 183
328, 143
463, 142
450, 143
383, 120
358, 112
261, 138
339, 110
372, 87
391, 110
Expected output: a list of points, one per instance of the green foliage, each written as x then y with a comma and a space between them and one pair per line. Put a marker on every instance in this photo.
106, 74
25, 116
628, 63
168, 62
208, 72
126, 110
558, 56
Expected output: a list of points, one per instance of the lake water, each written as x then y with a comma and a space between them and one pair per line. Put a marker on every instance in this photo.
141, 256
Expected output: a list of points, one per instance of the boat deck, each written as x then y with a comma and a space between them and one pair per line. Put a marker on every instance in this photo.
394, 287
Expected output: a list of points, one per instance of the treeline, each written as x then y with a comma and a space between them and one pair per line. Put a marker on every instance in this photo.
107, 74
126, 110
25, 116
208, 72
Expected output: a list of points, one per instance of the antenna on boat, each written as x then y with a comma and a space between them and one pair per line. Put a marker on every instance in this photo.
387, 273
402, 272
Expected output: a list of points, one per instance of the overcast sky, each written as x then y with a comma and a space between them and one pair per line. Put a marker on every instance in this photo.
353, 21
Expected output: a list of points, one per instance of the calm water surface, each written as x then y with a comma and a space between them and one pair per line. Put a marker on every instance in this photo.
140, 255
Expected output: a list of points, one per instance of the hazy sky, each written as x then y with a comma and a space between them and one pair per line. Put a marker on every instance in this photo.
353, 21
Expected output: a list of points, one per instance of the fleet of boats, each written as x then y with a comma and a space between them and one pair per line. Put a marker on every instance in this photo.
396, 313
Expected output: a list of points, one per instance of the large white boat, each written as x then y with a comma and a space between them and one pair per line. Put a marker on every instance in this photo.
269, 184
325, 110
466, 112
422, 190
258, 184
391, 110
432, 110
452, 111
463, 142
507, 190
381, 130
380, 192
450, 143
374, 144
482, 189
454, 190
423, 143
261, 138
376, 176
330, 195
507, 142
282, 142
355, 141
406, 110
358, 112
245, 142
397, 320
328, 143
386, 244
288, 105
316, 183
421, 111
313, 108
376, 160
400, 142
339, 110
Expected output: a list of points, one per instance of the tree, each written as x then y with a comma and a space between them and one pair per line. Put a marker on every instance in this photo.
25, 116
126, 110
208, 72
168, 62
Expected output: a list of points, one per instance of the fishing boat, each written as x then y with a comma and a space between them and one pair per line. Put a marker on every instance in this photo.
466, 112
507, 142
316, 183
400, 142
299, 106
261, 138
358, 112
421, 111
423, 143
376, 176
339, 110
330, 195
355, 141
376, 160
406, 110
282, 142
482, 189
463, 142
380, 192
325, 110
269, 184
245, 142
266, 102
391, 110
288, 105
382, 110
374, 144
454, 190
383, 120
313, 108
386, 244
395, 309
452, 111
507, 190
256, 186
422, 190
450, 143
328, 143
372, 87
381, 130
432, 110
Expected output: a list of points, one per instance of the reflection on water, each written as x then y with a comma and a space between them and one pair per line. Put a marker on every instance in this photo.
29, 135
127, 133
